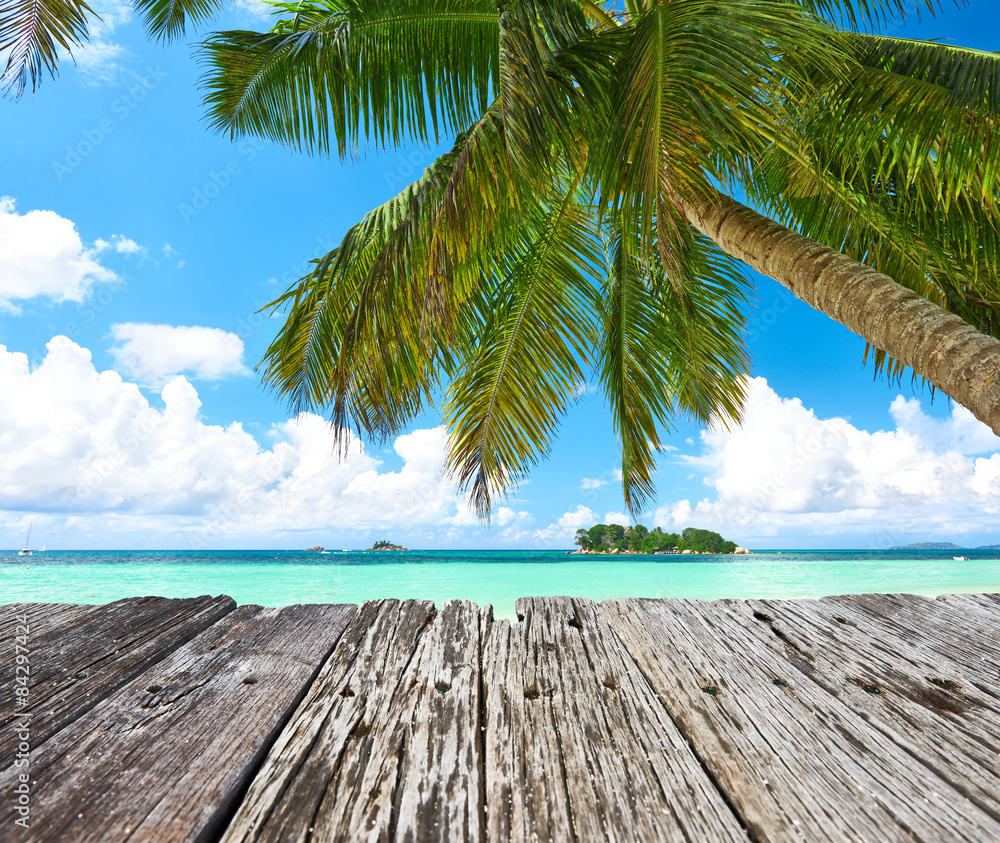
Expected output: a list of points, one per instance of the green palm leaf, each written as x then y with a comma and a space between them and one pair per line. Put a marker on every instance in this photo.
666, 352
537, 329
166, 20
972, 76
341, 71
32, 32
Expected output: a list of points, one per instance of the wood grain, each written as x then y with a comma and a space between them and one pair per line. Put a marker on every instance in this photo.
577, 745
166, 758
385, 746
80, 655
794, 759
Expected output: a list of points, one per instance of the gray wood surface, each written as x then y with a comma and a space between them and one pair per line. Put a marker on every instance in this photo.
794, 758
932, 713
578, 747
43, 616
385, 746
166, 758
944, 631
79, 655
862, 717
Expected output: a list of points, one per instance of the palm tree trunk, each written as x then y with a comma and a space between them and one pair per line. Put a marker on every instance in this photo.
936, 344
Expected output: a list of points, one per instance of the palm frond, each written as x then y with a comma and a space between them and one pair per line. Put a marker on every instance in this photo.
861, 14
338, 72
32, 32
665, 353
373, 326
166, 20
972, 76
537, 330
700, 84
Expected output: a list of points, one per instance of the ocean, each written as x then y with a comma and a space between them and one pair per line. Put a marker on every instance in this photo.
280, 578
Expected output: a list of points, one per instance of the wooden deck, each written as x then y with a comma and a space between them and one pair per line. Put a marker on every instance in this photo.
871, 717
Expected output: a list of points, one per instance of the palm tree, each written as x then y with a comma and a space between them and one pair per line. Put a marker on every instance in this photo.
582, 219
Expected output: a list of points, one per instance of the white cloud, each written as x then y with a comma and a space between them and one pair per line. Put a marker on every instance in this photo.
617, 518
569, 522
154, 353
88, 443
591, 483
254, 8
168, 250
785, 471
97, 60
119, 243
42, 255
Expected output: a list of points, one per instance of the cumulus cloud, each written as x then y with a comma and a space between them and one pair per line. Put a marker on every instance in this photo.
154, 353
617, 518
785, 471
42, 255
88, 443
567, 525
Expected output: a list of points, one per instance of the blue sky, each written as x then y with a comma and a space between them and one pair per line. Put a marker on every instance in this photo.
136, 248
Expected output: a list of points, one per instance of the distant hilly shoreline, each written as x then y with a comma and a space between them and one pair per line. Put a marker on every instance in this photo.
942, 546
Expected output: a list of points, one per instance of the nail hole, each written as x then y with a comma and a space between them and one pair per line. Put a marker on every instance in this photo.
531, 694
442, 688
946, 684
154, 688
610, 683
573, 622
870, 689
250, 680
711, 690
80, 674
840, 620
781, 683
347, 692
762, 617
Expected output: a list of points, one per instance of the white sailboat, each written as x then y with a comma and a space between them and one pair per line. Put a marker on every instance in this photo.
24, 551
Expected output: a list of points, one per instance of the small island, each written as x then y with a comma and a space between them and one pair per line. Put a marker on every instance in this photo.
316, 549
614, 538
382, 544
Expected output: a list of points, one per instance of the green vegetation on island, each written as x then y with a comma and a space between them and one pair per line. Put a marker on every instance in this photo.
614, 538
382, 544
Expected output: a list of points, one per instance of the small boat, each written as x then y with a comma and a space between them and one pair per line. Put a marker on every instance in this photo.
24, 550
960, 558
42, 548
346, 550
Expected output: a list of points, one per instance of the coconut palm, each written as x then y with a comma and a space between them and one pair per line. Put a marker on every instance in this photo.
582, 220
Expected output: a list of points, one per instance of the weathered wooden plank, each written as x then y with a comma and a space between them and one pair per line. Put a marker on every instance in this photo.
794, 760
577, 745
920, 705
935, 627
166, 758
78, 659
42, 616
386, 744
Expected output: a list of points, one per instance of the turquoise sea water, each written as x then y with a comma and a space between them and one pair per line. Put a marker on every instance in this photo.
279, 578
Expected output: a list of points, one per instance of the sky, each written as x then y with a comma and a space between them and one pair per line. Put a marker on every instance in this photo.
137, 248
